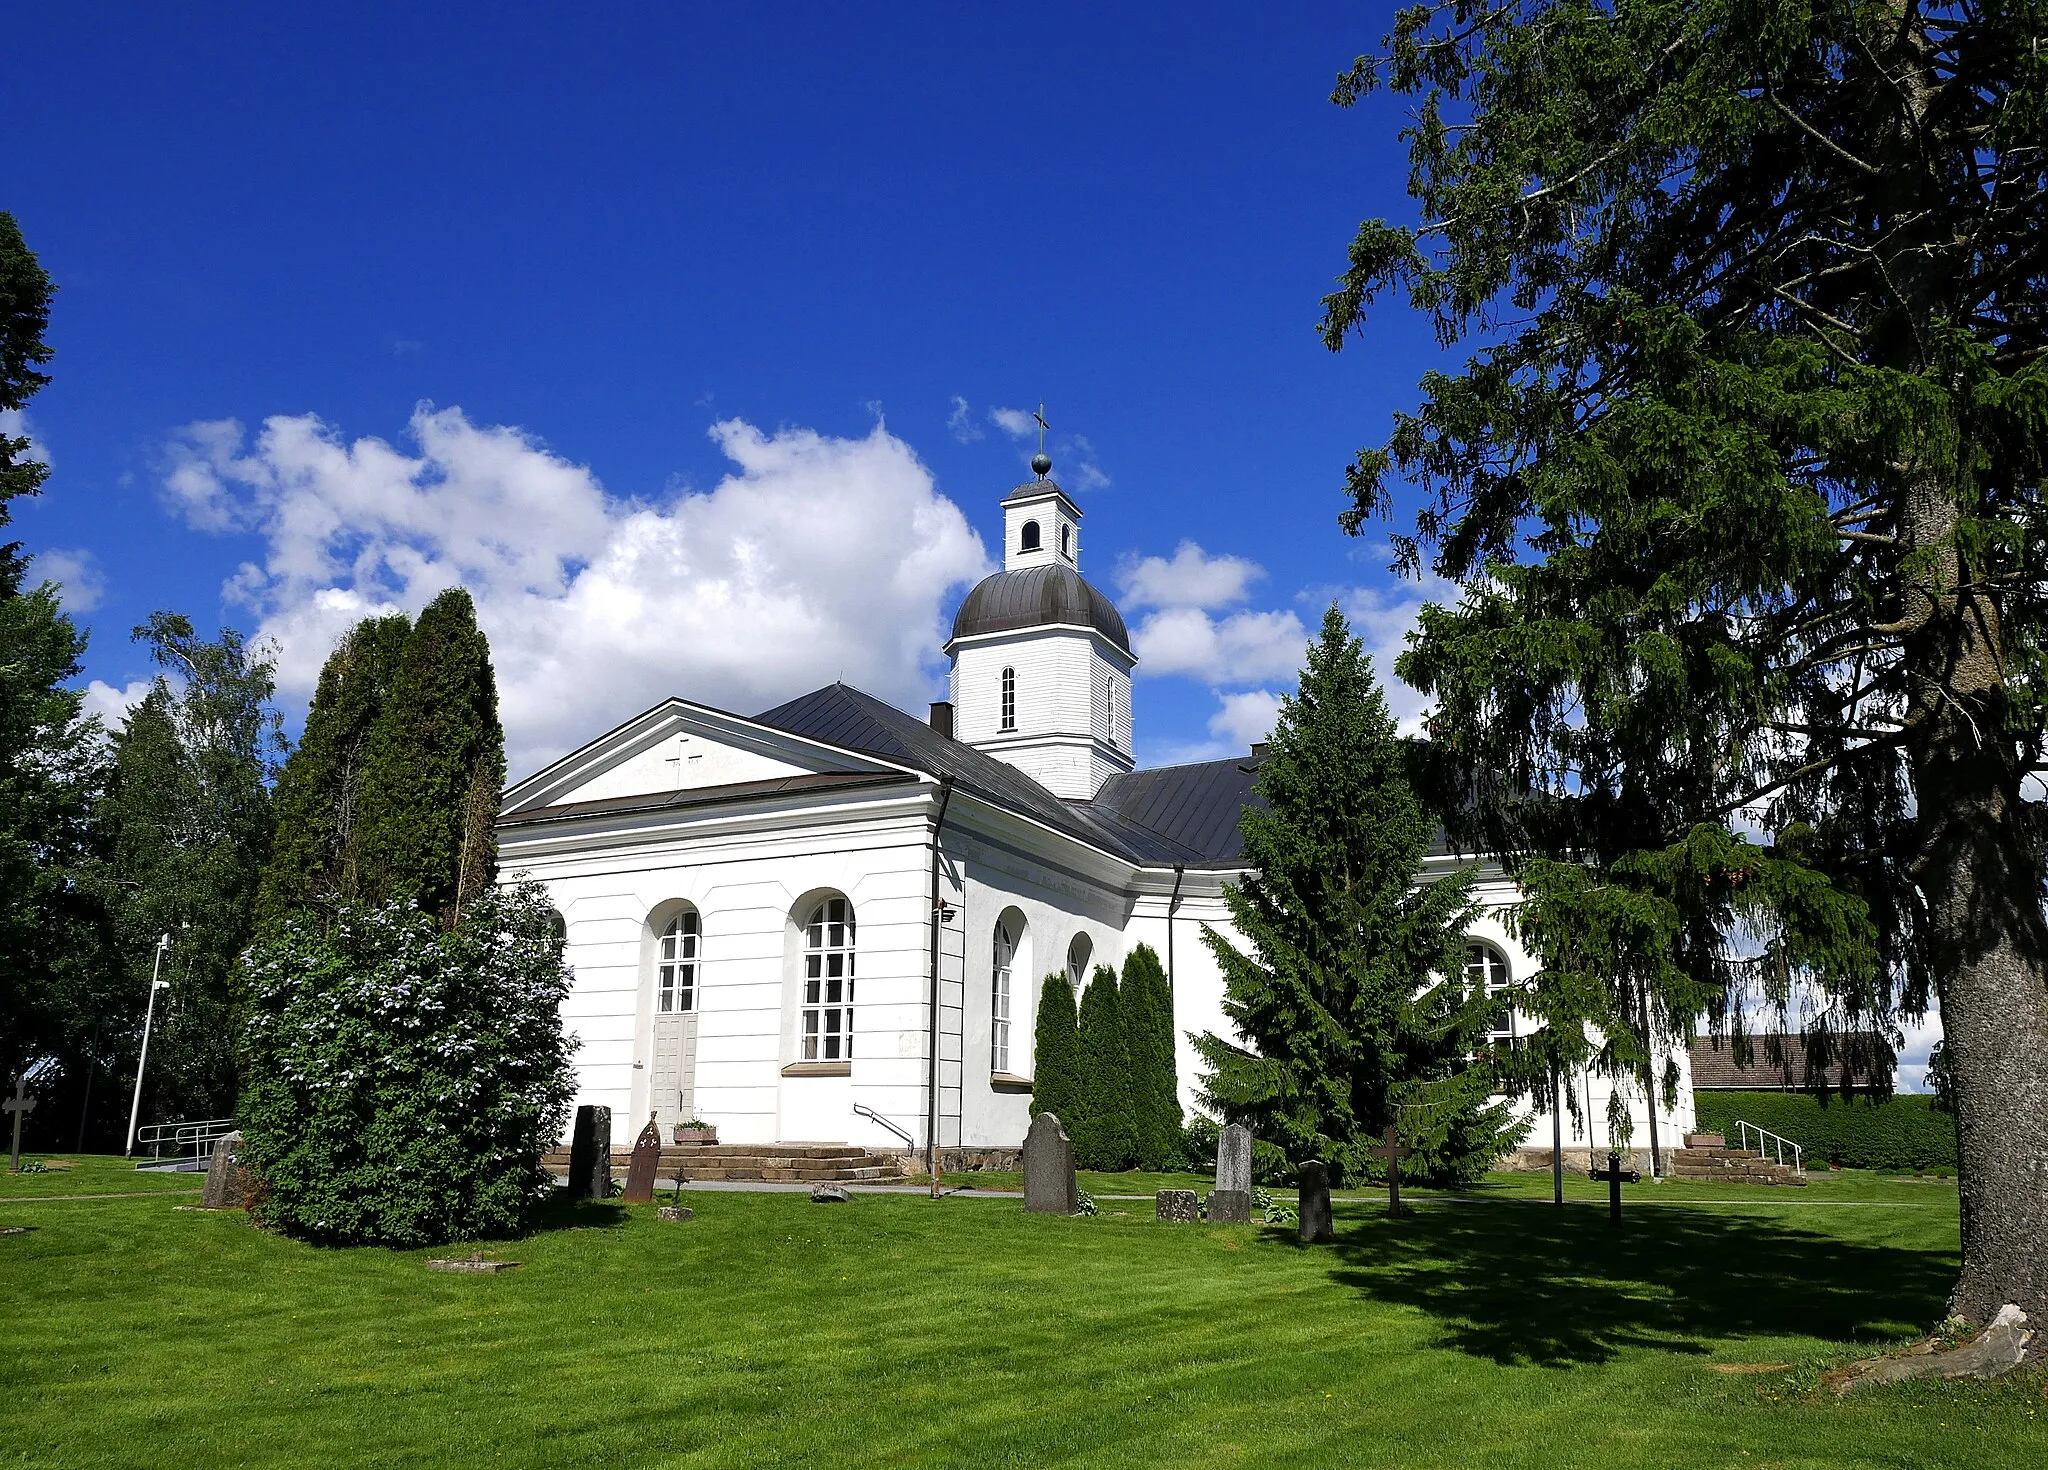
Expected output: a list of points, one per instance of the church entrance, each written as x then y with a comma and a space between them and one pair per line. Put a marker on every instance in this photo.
672, 1081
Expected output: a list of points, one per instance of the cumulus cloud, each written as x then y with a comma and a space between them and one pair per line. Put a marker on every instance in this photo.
1191, 577
16, 424
1016, 422
77, 572
1243, 648
111, 704
960, 423
815, 558
1245, 718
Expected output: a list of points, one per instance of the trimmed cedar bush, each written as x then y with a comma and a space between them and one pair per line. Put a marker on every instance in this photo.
1107, 1135
404, 1078
1146, 1001
1907, 1132
1055, 1053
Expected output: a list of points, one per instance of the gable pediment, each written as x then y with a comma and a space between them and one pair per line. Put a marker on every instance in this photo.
681, 747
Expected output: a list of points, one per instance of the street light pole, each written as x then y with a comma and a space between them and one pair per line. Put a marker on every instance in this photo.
148, 1016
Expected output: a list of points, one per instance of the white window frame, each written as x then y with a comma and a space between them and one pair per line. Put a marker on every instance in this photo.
1003, 963
677, 954
1009, 696
825, 1012
1029, 537
1487, 967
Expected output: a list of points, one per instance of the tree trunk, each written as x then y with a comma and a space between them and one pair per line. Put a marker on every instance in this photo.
1987, 942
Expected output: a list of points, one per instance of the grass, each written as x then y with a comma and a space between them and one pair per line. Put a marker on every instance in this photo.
1493, 1330
91, 1174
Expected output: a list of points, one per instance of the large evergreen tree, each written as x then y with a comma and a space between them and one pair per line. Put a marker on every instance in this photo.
1147, 1004
187, 821
315, 857
1352, 997
1055, 1053
1743, 482
436, 763
1106, 1133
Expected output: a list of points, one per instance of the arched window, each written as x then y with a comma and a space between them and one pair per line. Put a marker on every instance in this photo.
1109, 705
999, 999
1009, 699
675, 965
1066, 541
1486, 971
825, 1028
1077, 960
1027, 539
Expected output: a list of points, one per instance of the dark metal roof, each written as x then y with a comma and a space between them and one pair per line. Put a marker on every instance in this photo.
700, 796
1030, 489
1779, 1061
1192, 808
1032, 597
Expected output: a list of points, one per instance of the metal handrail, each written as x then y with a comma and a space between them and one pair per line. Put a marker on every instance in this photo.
1776, 1142
198, 1135
874, 1117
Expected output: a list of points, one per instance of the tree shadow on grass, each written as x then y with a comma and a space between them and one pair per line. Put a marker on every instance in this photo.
1525, 1282
560, 1212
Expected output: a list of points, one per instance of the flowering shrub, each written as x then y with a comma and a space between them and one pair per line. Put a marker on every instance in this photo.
403, 1079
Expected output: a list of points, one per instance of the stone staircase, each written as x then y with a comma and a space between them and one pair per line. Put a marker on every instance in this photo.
1707, 1156
759, 1163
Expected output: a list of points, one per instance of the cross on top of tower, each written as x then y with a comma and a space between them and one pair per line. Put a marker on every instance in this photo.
1041, 462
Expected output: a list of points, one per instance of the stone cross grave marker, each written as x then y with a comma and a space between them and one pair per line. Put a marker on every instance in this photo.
227, 1186
20, 1105
646, 1159
1616, 1176
1234, 1159
1393, 1151
1314, 1181
1049, 1187
590, 1153
1179, 1205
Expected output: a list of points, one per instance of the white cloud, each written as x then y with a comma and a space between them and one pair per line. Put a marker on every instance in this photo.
1077, 451
961, 422
1189, 578
1244, 648
77, 573
1382, 618
1016, 422
1246, 717
816, 558
111, 704
16, 424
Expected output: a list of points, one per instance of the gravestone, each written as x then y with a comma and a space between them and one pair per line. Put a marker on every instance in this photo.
1392, 1150
1314, 1182
21, 1105
646, 1159
227, 1183
1049, 1187
1178, 1204
1616, 1176
590, 1154
1230, 1207
1234, 1159
830, 1194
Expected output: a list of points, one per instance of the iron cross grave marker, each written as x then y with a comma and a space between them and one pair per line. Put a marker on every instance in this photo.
1616, 1176
1393, 1151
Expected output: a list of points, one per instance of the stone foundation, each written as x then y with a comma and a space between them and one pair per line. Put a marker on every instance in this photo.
1537, 1160
957, 1160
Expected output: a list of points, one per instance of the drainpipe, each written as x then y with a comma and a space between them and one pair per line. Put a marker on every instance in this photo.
931, 1135
1173, 907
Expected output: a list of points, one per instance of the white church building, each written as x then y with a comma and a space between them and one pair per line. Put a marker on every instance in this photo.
776, 922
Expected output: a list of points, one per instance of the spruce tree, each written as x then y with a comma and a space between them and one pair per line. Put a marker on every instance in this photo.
314, 857
436, 765
1147, 1005
1108, 1137
1352, 997
1743, 480
1055, 1053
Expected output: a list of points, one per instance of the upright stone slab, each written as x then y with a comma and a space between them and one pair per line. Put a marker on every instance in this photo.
1314, 1182
1234, 1160
590, 1153
1049, 1187
646, 1159
227, 1183
1178, 1204
1230, 1207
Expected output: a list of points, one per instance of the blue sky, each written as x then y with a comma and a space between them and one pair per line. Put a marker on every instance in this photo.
612, 228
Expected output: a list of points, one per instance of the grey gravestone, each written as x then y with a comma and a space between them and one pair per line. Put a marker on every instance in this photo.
590, 1154
1234, 1159
646, 1159
1315, 1204
1230, 1207
1179, 1204
227, 1184
676, 1213
829, 1194
1049, 1187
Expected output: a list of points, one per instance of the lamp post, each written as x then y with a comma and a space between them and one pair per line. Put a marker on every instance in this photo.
148, 1016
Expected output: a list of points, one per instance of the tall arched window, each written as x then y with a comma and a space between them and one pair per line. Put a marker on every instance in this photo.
1027, 539
825, 1028
1109, 705
675, 965
1067, 541
1077, 960
1486, 971
999, 999
1009, 699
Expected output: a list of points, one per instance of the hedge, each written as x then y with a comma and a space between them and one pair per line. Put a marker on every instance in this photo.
1904, 1133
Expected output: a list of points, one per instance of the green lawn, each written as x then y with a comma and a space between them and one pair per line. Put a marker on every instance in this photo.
91, 1174
1486, 1330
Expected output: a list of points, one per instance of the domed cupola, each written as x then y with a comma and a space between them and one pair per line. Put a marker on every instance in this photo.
1041, 659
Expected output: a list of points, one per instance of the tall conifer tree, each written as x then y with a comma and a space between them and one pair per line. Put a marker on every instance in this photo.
1055, 1053
436, 765
314, 859
1108, 1137
1147, 1005
1352, 996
